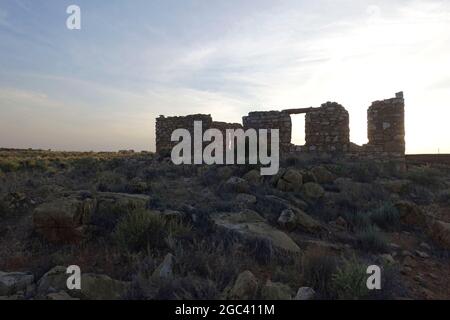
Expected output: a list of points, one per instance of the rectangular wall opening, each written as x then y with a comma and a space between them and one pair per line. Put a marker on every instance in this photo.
298, 129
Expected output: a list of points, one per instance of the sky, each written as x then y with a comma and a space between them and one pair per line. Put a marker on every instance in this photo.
100, 88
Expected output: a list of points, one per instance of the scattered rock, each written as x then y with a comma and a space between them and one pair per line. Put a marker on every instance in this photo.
387, 258
101, 287
245, 198
224, 172
322, 175
245, 287
62, 220
55, 280
410, 213
61, 295
12, 282
253, 177
291, 180
439, 231
165, 269
296, 218
276, 291
313, 191
422, 254
236, 184
252, 226
305, 293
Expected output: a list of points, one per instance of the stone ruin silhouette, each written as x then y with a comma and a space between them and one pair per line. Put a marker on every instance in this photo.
326, 130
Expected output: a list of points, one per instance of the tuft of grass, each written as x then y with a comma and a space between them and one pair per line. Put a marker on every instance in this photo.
371, 240
143, 229
386, 216
349, 281
318, 269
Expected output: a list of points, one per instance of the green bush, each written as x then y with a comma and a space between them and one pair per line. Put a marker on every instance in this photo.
143, 229
371, 240
349, 282
386, 216
318, 269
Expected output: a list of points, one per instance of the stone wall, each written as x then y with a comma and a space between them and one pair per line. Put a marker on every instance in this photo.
386, 126
271, 120
327, 129
166, 125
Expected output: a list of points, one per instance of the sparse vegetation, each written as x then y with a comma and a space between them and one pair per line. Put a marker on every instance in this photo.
349, 281
371, 240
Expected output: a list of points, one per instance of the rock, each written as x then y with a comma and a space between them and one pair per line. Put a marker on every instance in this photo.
308, 176
101, 287
422, 254
313, 191
12, 282
54, 280
410, 214
342, 223
62, 220
253, 177
236, 184
165, 269
224, 173
245, 198
425, 246
322, 175
245, 287
387, 258
61, 295
291, 180
305, 293
276, 291
251, 226
439, 231
296, 218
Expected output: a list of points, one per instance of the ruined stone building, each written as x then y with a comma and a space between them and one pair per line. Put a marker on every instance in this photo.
326, 129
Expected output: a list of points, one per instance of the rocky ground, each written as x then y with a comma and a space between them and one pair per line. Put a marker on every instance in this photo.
142, 228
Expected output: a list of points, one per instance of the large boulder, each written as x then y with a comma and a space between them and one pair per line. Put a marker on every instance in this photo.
251, 226
440, 232
290, 180
236, 184
305, 293
12, 282
295, 218
62, 220
411, 214
322, 175
245, 287
313, 191
276, 291
93, 286
253, 177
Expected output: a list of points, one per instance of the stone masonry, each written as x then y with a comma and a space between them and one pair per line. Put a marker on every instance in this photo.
326, 129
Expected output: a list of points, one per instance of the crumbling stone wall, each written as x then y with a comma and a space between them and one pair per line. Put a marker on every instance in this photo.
271, 120
327, 128
166, 125
386, 126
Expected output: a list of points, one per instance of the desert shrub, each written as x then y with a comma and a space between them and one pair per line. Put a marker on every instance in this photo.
358, 220
349, 281
419, 194
371, 240
444, 196
425, 176
9, 165
386, 216
85, 166
111, 181
318, 269
142, 229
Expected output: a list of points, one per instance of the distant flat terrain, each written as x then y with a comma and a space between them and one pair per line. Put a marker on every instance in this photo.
428, 158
